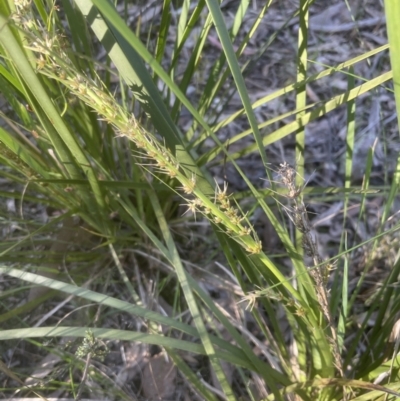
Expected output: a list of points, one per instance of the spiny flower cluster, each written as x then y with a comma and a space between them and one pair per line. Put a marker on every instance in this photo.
320, 270
222, 199
221, 211
235, 218
53, 61
23, 15
300, 218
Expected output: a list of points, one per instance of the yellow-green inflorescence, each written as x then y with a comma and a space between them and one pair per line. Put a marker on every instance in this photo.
53, 61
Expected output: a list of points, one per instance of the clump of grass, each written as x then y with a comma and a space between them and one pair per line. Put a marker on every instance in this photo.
53, 62
85, 137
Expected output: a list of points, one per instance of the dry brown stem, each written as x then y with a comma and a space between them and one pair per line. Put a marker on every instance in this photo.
320, 270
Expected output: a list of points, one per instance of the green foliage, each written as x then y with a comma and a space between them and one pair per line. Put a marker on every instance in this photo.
103, 140
91, 345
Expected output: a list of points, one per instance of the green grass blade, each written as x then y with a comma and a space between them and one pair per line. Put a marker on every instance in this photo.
301, 94
112, 334
64, 142
126, 51
80, 36
392, 11
344, 305
163, 32
289, 88
227, 46
350, 139
330, 105
123, 306
190, 299
28, 156
132, 70
182, 23
192, 66
301, 103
